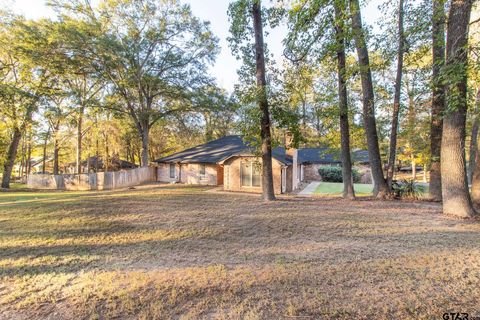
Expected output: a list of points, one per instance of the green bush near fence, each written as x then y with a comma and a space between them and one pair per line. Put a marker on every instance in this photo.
334, 174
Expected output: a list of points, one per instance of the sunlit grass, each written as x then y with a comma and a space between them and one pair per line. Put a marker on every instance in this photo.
361, 190
161, 252
17, 186
336, 189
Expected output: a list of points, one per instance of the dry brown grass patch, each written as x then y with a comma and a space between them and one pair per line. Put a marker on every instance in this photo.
176, 252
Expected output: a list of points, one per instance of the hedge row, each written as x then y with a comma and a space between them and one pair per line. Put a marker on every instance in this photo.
334, 174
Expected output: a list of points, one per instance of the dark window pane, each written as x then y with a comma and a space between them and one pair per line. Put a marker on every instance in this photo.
257, 175
246, 174
256, 180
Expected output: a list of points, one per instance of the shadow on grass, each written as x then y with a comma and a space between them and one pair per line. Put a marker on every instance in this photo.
73, 258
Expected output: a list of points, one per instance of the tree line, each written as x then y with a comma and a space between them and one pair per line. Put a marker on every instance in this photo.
431, 44
107, 75
130, 79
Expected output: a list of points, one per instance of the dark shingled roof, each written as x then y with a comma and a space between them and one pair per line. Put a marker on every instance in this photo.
218, 150
210, 152
280, 154
360, 156
316, 155
322, 155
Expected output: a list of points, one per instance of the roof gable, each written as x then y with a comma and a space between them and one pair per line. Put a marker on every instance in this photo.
210, 152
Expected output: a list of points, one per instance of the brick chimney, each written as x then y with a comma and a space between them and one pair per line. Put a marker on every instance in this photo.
291, 151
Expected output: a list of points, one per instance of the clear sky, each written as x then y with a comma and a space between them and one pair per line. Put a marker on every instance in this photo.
214, 11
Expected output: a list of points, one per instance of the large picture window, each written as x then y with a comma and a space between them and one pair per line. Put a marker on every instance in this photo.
172, 170
251, 174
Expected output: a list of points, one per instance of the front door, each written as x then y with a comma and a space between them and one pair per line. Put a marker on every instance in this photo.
219, 175
284, 180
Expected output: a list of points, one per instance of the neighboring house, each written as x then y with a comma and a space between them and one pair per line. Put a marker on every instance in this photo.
360, 157
94, 164
36, 165
230, 162
312, 159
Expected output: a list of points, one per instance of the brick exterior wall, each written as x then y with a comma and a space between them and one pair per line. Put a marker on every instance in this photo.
188, 174
232, 180
163, 173
310, 172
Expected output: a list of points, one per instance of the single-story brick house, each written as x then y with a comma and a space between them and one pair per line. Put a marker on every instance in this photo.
230, 162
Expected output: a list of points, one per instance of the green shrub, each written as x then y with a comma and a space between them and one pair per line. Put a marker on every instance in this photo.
334, 174
407, 189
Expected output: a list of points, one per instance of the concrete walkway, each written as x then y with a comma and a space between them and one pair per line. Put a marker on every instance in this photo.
309, 190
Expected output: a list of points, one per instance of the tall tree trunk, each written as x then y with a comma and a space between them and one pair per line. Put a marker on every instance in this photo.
411, 125
476, 181
127, 152
208, 127
55, 157
145, 136
414, 167
438, 98
22, 162
106, 159
13, 147
380, 188
79, 139
304, 114
396, 99
29, 155
474, 138
456, 198
55, 149
267, 173
11, 156
45, 142
348, 191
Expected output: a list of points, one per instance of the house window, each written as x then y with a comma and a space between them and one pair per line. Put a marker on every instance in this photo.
256, 175
172, 170
251, 175
202, 169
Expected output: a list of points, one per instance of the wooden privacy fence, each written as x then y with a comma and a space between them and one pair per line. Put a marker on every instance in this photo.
92, 181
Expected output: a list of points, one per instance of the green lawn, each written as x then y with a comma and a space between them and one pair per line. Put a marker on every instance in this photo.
361, 190
17, 186
333, 188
